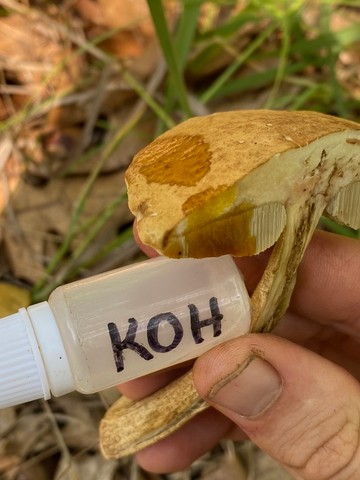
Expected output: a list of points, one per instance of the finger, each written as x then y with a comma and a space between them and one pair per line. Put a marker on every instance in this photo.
150, 252
141, 387
328, 287
327, 340
297, 406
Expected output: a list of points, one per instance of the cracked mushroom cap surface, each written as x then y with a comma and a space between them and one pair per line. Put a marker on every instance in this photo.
222, 184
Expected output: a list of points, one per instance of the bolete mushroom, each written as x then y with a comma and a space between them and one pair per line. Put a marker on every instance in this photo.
235, 183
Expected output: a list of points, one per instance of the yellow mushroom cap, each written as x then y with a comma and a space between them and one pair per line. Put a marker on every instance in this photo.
195, 190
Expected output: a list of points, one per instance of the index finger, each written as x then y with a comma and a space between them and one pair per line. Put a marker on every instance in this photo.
328, 284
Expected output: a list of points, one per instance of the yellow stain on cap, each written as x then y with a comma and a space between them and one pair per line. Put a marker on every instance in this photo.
172, 161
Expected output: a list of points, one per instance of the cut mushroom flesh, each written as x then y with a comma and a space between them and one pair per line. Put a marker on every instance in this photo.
237, 183
221, 173
344, 206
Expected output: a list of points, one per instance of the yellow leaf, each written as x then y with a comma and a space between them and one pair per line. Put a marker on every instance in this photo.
12, 298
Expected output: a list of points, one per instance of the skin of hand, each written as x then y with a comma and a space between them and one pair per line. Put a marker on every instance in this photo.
294, 393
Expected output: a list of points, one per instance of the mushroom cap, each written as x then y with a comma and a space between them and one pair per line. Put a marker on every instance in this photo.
194, 189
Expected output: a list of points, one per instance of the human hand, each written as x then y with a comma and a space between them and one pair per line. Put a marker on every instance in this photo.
297, 394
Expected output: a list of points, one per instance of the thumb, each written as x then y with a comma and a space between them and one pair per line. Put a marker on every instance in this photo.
297, 406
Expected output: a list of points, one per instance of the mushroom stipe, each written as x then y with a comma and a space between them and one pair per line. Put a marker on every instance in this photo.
234, 183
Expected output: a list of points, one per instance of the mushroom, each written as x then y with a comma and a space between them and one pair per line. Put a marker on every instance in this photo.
235, 183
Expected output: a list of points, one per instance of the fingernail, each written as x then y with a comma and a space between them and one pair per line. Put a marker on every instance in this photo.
250, 390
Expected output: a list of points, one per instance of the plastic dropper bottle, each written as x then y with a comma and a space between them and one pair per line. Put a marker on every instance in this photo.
104, 330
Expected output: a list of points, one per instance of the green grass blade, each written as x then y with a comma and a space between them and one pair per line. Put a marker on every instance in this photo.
184, 38
237, 63
232, 26
186, 30
331, 62
334, 227
115, 243
168, 49
141, 91
283, 60
253, 81
305, 96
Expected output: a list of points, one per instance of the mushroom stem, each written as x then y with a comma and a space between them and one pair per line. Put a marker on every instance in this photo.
272, 295
129, 426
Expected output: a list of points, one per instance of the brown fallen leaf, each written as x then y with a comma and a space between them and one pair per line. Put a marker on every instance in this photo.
41, 217
12, 298
116, 13
11, 170
36, 58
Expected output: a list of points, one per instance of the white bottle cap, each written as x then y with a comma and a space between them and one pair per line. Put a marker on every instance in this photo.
57, 367
33, 361
22, 372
